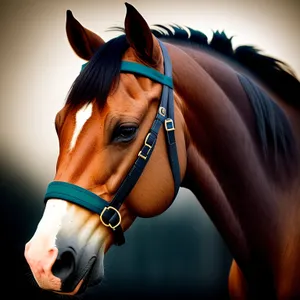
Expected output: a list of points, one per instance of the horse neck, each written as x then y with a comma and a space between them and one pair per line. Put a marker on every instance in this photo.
223, 169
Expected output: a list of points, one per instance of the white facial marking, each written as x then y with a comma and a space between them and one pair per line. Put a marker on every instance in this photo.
50, 223
82, 116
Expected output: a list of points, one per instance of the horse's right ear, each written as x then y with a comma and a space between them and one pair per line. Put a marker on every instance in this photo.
83, 41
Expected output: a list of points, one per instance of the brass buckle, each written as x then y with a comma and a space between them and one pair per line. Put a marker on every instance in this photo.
172, 125
113, 227
147, 145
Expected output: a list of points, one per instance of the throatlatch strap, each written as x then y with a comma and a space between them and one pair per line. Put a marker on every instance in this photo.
170, 124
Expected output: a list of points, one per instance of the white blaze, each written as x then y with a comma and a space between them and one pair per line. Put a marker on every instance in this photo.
49, 225
82, 116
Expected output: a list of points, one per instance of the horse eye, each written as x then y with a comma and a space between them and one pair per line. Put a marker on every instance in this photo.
125, 133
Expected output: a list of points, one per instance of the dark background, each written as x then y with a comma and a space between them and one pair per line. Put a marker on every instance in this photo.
173, 255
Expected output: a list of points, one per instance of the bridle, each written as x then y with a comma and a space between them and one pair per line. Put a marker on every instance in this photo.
109, 211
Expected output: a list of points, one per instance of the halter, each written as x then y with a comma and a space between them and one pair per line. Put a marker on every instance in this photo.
109, 211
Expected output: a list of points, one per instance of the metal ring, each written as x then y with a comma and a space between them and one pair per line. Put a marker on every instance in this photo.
113, 227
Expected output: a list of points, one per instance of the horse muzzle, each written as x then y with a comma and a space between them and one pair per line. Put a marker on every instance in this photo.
65, 271
74, 271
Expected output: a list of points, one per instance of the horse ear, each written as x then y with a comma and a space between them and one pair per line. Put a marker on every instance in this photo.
83, 41
140, 37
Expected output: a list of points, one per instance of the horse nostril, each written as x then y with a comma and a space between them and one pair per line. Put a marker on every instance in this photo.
64, 264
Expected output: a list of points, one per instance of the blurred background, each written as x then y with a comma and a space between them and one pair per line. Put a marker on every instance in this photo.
177, 254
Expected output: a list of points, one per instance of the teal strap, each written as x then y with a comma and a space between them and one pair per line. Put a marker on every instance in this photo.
75, 194
136, 68
132, 67
83, 66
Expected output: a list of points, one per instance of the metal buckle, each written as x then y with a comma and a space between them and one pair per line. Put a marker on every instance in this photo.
147, 145
167, 121
113, 227
162, 111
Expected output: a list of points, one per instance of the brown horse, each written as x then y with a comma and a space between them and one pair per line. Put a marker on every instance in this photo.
157, 109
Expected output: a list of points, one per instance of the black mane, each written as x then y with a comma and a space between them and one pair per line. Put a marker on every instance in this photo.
276, 74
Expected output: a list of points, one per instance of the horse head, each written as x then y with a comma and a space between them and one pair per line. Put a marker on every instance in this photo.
104, 178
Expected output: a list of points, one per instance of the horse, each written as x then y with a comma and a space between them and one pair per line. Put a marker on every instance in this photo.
156, 109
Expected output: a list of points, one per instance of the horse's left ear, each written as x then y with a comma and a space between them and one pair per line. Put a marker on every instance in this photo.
140, 36
82, 40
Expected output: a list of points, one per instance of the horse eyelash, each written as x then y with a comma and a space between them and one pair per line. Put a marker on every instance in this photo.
117, 129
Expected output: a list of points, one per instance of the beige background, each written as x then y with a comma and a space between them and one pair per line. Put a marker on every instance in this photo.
38, 65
